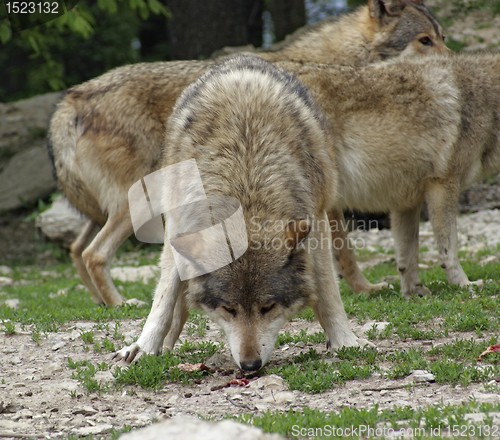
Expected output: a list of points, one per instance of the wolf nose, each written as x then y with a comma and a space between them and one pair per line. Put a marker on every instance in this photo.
251, 365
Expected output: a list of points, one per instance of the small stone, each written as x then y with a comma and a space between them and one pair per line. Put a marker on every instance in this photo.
5, 281
141, 273
475, 417
379, 326
23, 414
271, 382
421, 376
7, 407
6, 270
284, 397
174, 398
85, 411
12, 303
58, 345
92, 430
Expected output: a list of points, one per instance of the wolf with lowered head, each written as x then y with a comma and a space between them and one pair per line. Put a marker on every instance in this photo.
257, 136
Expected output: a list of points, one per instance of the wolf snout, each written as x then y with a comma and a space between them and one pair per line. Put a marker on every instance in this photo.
251, 365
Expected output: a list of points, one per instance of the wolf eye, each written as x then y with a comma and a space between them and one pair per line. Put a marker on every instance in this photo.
264, 310
426, 41
229, 310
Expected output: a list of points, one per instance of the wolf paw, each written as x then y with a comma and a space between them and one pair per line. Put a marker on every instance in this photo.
417, 290
367, 287
129, 354
378, 286
478, 283
135, 302
365, 343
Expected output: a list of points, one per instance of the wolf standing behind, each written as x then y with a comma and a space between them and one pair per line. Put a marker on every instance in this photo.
258, 136
108, 132
407, 132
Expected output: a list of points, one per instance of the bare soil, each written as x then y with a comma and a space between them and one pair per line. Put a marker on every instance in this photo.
38, 395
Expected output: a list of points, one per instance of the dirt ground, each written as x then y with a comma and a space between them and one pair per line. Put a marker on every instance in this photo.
39, 397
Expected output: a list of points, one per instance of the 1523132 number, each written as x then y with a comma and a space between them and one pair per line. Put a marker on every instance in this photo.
32, 7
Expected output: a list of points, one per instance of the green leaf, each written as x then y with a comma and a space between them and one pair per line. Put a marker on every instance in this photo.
108, 5
5, 31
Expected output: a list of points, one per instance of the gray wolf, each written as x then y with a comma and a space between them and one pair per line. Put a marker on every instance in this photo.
258, 136
409, 131
108, 132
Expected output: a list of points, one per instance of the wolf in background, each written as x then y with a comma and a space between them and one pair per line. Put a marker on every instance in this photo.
257, 136
409, 131
108, 132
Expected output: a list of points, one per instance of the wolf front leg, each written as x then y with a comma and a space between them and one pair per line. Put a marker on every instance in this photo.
442, 200
181, 314
344, 258
159, 321
404, 225
327, 305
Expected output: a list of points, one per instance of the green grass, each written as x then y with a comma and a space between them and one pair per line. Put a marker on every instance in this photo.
67, 302
423, 423
151, 372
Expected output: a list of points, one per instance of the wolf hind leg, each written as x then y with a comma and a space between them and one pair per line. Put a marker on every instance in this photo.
98, 255
344, 259
404, 225
76, 250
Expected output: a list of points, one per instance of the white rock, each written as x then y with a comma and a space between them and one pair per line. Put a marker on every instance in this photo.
190, 428
58, 345
282, 397
379, 326
141, 273
61, 222
271, 382
12, 303
421, 376
89, 430
486, 397
85, 411
6, 270
5, 281
479, 417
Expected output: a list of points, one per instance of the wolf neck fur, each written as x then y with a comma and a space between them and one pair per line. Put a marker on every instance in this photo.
355, 30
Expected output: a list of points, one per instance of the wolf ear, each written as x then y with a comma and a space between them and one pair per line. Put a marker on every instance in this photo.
296, 233
384, 10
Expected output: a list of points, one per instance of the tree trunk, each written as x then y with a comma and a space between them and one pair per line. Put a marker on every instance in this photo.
287, 15
199, 27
